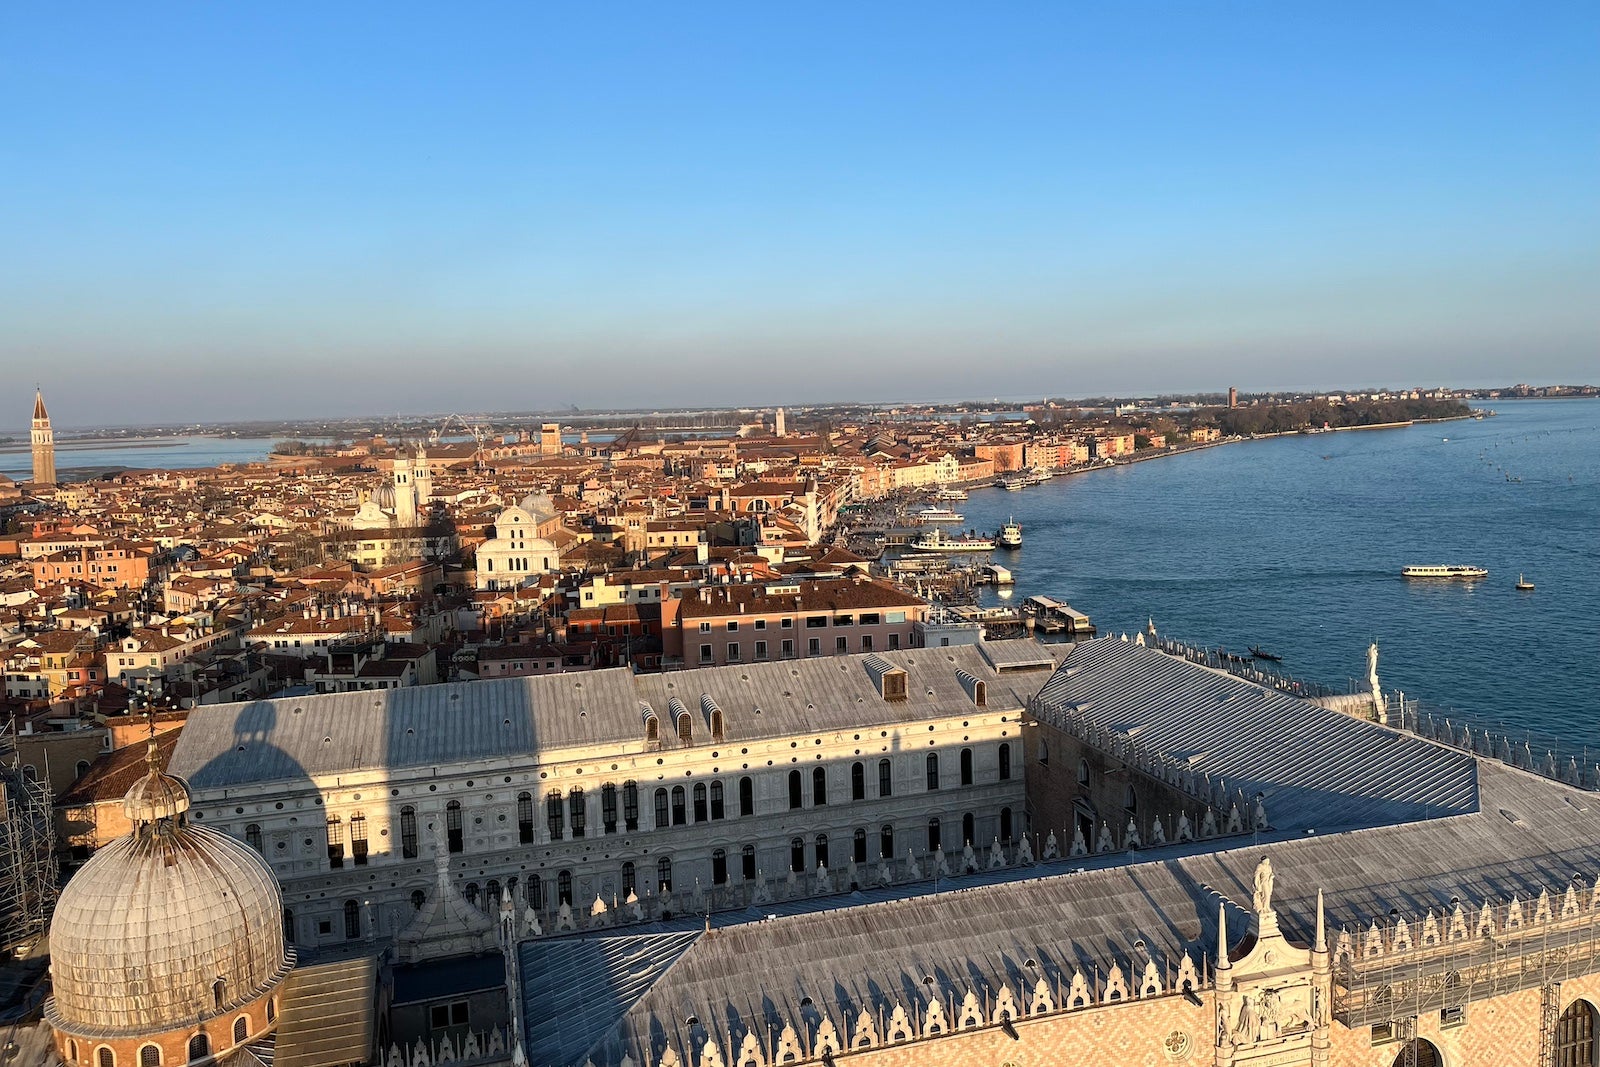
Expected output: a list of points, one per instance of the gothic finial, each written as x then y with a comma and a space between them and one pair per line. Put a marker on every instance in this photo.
1322, 930
1223, 963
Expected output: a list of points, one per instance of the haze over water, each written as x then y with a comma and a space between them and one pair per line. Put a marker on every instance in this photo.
1295, 544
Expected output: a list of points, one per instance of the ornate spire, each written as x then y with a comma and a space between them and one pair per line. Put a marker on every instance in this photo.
1322, 930
1223, 963
39, 412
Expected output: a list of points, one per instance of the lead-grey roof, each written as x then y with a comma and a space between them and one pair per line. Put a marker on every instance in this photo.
291, 738
1319, 768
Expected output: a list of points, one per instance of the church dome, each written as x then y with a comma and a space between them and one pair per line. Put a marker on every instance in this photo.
169, 925
383, 496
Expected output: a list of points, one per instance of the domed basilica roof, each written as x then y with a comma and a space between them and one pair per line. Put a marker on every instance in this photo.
171, 924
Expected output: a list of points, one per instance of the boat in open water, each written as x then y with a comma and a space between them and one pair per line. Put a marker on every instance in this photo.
1010, 535
1444, 570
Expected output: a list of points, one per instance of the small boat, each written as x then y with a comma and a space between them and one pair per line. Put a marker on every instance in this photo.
1010, 535
1443, 570
1523, 584
1260, 653
936, 540
939, 516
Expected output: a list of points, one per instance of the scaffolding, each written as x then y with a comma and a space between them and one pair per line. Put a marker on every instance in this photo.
27, 851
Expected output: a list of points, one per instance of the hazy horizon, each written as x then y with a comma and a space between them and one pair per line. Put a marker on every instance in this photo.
259, 213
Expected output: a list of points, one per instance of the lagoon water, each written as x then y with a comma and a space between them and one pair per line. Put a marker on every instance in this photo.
1295, 544
144, 453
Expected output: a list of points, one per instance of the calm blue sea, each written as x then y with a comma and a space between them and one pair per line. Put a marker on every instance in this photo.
1295, 544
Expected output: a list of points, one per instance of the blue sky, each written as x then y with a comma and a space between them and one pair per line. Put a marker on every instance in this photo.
220, 211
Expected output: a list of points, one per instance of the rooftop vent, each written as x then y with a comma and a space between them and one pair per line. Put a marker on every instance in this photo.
891, 680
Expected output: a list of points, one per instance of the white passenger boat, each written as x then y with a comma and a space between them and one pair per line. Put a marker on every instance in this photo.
1010, 535
1443, 570
936, 540
939, 517
950, 494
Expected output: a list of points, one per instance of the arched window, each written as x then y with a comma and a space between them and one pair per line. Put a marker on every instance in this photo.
418, 898
933, 834
797, 855
968, 829
471, 893
747, 856
886, 842
149, 1056
702, 810
628, 886
107, 1057
352, 920
719, 867
219, 992
716, 724
452, 824
1130, 800
199, 1047
747, 796
335, 842
358, 839
555, 814
564, 888
1421, 1053
819, 786
524, 818
680, 806
630, 805
885, 778
1005, 826
966, 766
796, 790
685, 728
859, 843
72, 1050
608, 807
822, 851
1083, 773
1005, 762
858, 781
1044, 752
652, 730
718, 810
31, 773
580, 812
252, 836
408, 832
272, 1008
1575, 1036
533, 889
491, 895
933, 770
663, 819
241, 1029
664, 873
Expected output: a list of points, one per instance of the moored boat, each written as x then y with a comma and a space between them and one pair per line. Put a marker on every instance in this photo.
1523, 584
1013, 482
1443, 570
936, 540
939, 516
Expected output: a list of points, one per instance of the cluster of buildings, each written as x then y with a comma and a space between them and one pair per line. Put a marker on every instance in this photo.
603, 757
